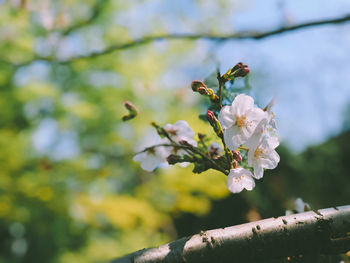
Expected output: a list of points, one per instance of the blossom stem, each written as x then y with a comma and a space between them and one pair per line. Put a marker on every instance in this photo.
227, 151
191, 150
220, 88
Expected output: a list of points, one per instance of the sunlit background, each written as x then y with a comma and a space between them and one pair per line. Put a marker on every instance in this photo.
69, 190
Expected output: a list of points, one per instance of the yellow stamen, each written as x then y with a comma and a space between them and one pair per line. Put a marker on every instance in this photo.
237, 179
241, 121
259, 152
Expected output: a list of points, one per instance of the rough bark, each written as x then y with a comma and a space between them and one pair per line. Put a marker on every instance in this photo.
315, 232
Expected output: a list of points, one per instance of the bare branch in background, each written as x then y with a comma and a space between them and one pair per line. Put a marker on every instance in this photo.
211, 37
304, 235
96, 11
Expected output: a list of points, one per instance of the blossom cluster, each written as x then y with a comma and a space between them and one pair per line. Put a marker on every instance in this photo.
246, 125
247, 133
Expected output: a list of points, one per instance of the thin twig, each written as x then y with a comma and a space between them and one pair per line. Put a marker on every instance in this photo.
185, 147
220, 88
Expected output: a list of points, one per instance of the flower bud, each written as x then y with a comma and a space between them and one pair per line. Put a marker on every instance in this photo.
210, 116
237, 155
201, 88
132, 111
129, 106
197, 84
239, 70
172, 159
242, 72
202, 91
237, 66
215, 123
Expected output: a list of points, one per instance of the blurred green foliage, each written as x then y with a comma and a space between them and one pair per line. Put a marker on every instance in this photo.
69, 190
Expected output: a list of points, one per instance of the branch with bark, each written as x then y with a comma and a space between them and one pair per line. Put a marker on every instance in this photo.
308, 234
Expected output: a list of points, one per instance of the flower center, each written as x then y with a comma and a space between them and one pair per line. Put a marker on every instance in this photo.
259, 152
241, 121
238, 179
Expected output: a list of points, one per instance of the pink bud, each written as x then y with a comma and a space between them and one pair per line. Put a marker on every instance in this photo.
202, 91
237, 155
128, 105
241, 70
210, 116
197, 84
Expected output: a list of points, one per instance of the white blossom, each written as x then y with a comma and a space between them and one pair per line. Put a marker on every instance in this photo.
239, 179
155, 156
240, 120
262, 154
181, 131
299, 207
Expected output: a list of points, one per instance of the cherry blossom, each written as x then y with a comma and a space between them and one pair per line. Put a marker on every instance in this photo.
239, 179
240, 120
154, 156
262, 152
181, 131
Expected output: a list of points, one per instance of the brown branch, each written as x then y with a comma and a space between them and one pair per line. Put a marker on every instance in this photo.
218, 38
310, 233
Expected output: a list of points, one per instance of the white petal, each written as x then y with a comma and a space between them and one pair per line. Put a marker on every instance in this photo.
232, 138
139, 157
273, 142
258, 171
238, 179
150, 162
242, 103
248, 182
183, 129
251, 157
226, 117
168, 126
257, 136
255, 116
270, 160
